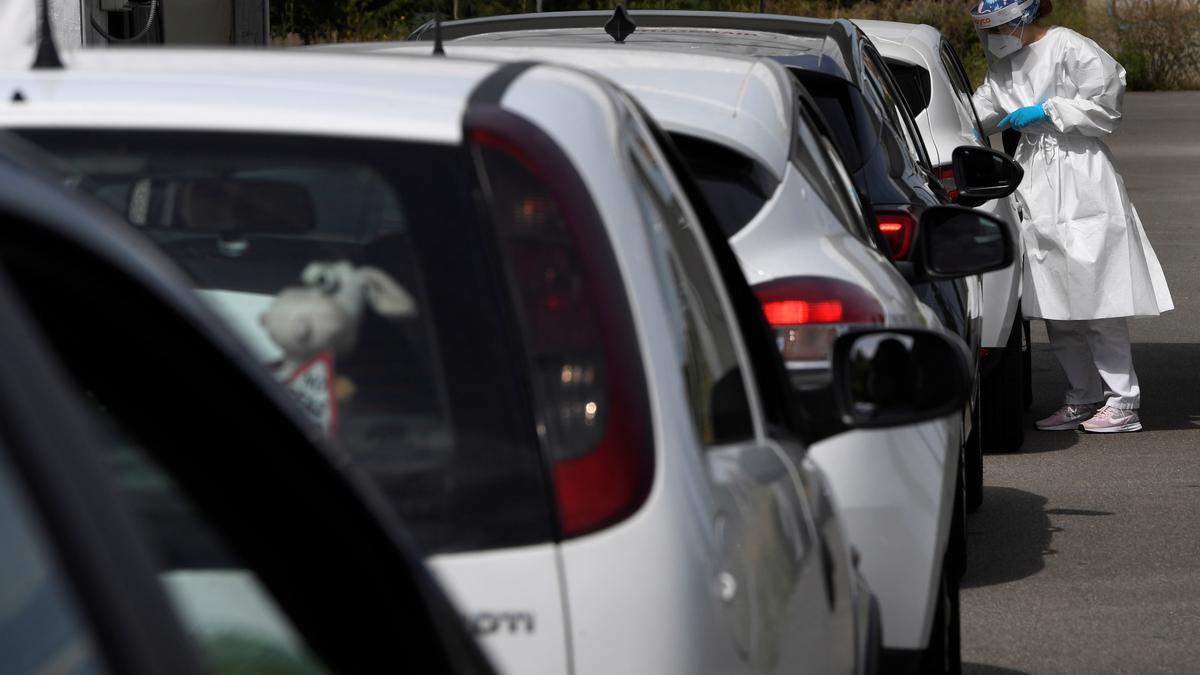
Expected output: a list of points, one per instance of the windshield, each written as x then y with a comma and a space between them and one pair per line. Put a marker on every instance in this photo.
358, 273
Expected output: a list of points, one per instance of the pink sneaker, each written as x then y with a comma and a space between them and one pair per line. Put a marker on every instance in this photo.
1110, 420
1067, 417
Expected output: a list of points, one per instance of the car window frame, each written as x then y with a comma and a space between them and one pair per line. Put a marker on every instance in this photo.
664, 194
90, 536
841, 182
781, 411
960, 83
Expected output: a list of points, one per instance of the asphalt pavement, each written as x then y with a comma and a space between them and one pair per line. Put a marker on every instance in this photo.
1085, 557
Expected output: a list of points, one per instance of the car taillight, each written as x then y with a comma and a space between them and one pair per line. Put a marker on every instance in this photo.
898, 228
945, 175
589, 386
809, 313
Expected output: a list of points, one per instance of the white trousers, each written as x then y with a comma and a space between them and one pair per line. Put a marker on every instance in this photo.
1096, 355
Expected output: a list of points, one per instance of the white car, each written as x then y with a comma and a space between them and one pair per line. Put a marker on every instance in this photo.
743, 118
484, 282
938, 93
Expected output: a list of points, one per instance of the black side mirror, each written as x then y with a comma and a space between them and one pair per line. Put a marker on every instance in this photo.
885, 378
983, 174
958, 242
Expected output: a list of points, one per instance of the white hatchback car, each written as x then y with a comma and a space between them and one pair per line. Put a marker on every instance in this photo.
740, 119
543, 371
938, 92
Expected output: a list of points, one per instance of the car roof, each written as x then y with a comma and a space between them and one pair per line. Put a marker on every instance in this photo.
748, 102
828, 46
288, 91
919, 36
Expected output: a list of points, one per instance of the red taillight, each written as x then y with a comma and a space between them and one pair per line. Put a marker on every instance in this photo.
783, 312
945, 175
898, 228
808, 313
593, 408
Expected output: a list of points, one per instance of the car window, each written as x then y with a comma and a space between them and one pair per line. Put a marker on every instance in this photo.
735, 185
41, 630
855, 128
711, 369
914, 84
356, 272
895, 110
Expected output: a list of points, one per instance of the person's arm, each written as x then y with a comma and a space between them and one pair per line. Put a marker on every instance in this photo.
987, 108
1095, 110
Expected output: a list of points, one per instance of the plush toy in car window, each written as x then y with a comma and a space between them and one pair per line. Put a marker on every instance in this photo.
317, 322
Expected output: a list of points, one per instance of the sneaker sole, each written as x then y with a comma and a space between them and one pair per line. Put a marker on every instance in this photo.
1065, 426
1136, 426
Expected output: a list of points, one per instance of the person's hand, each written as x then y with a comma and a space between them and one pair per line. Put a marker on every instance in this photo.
1023, 117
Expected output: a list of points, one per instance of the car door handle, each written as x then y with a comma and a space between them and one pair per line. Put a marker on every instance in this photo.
727, 586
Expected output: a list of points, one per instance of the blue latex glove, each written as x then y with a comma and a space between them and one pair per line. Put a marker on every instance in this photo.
1023, 117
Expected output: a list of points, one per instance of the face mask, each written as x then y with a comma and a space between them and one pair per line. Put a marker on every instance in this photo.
1002, 45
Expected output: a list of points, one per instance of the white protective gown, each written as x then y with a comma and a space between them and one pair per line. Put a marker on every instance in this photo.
1086, 253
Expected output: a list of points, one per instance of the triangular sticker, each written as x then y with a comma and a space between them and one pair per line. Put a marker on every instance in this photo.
312, 384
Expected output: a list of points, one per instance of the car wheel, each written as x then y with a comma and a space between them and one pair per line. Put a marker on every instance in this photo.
1027, 362
956, 547
874, 655
973, 462
944, 653
1002, 396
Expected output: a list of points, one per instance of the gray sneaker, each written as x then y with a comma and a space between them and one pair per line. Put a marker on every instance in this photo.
1110, 420
1067, 417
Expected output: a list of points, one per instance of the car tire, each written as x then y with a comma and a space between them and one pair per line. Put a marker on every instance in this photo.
874, 656
956, 547
1003, 394
972, 459
1027, 361
943, 655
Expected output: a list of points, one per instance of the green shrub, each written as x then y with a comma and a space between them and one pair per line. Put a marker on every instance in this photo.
1158, 41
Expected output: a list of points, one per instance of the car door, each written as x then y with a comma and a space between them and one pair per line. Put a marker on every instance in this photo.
77, 590
957, 300
270, 545
766, 567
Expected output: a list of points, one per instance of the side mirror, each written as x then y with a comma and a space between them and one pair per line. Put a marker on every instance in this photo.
983, 174
958, 242
886, 378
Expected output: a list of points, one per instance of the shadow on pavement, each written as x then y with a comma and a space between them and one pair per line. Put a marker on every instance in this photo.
1169, 375
1037, 441
1008, 538
984, 669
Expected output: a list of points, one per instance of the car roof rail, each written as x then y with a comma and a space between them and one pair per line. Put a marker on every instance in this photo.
839, 56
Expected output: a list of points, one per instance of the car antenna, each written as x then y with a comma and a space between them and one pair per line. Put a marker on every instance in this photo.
47, 52
437, 35
620, 26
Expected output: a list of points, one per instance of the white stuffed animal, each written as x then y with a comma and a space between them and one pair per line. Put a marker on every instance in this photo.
324, 314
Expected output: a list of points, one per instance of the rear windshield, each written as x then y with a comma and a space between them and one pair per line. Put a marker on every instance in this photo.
357, 271
854, 129
914, 84
735, 185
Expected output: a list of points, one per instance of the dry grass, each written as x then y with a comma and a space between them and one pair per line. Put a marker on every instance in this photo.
1158, 42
